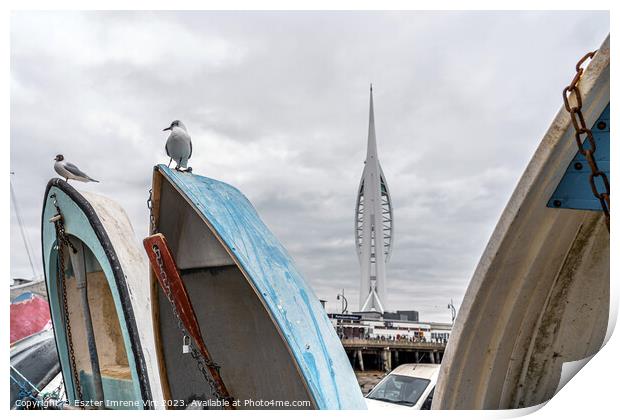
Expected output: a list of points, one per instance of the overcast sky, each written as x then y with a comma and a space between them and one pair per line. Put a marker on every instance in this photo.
277, 105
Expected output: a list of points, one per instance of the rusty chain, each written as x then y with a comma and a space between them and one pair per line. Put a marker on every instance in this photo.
579, 124
198, 357
61, 241
149, 205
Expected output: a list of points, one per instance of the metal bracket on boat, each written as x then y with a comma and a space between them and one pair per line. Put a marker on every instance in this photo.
169, 278
187, 342
574, 190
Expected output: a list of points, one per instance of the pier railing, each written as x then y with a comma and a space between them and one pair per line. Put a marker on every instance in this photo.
396, 344
385, 353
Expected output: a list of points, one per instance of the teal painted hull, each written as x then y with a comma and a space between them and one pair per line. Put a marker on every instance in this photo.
105, 271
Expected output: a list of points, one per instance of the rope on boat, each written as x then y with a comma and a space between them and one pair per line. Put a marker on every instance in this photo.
40, 400
23, 377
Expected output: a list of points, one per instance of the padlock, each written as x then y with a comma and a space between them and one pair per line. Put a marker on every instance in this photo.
186, 344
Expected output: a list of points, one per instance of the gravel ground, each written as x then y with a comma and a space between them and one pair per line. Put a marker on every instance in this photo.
368, 379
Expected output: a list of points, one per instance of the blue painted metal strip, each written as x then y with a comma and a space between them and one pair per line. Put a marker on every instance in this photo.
573, 190
291, 302
23, 297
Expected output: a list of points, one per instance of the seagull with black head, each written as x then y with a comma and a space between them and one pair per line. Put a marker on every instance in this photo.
179, 145
68, 170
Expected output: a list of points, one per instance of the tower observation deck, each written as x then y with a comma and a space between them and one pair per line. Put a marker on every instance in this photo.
374, 226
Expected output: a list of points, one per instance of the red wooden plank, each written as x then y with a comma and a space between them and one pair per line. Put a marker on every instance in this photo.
170, 280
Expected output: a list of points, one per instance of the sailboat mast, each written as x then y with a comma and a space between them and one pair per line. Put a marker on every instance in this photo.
20, 222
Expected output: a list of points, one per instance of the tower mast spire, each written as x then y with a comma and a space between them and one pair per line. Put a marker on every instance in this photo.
373, 225
372, 137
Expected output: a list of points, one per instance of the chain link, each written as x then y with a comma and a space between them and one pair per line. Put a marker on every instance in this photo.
198, 357
61, 242
202, 363
581, 129
149, 205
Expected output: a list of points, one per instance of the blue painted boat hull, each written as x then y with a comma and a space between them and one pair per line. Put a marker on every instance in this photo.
262, 323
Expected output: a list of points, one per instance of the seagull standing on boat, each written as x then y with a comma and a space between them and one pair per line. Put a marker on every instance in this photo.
68, 170
179, 145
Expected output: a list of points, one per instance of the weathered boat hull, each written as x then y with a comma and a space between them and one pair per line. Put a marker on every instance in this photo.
30, 314
39, 347
539, 298
260, 321
115, 273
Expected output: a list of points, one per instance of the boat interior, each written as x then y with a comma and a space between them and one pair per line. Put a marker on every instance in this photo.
111, 353
239, 332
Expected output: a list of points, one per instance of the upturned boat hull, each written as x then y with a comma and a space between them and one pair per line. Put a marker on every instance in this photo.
537, 306
103, 331
262, 324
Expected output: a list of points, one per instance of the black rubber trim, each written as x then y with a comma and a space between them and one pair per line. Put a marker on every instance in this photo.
119, 278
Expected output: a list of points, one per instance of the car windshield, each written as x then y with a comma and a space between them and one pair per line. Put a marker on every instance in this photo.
399, 389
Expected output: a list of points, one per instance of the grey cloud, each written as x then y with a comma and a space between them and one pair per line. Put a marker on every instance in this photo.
277, 104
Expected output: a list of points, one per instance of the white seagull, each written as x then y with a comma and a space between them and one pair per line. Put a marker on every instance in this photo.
179, 145
68, 170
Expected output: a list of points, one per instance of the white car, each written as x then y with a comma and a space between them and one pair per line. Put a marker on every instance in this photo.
409, 386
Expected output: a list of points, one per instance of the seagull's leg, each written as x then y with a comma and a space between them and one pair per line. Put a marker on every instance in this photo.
187, 168
170, 162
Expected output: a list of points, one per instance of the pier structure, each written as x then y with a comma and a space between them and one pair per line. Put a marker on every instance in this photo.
383, 344
385, 355
373, 226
